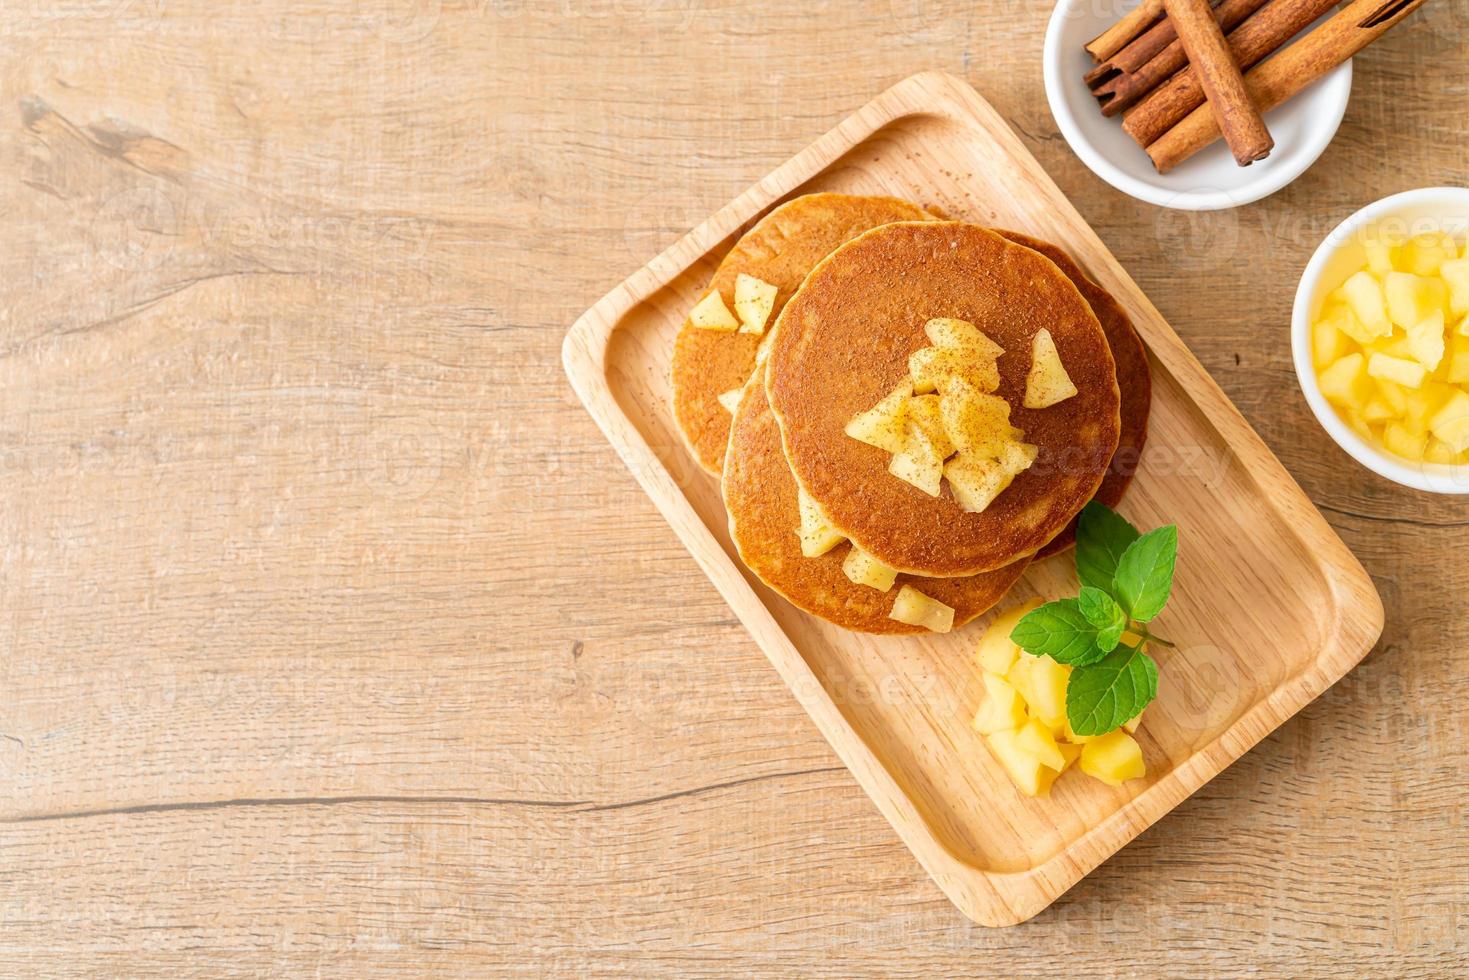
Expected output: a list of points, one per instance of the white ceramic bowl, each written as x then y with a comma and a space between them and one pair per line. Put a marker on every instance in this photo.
1411, 212
1209, 181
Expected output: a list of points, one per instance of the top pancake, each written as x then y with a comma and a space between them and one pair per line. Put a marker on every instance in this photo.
764, 515
1134, 382
781, 249
842, 343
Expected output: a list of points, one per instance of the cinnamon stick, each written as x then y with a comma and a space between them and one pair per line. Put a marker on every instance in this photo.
1254, 41
1224, 86
1126, 30
1152, 59
1300, 64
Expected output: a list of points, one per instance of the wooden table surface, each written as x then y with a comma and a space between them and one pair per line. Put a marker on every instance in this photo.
335, 639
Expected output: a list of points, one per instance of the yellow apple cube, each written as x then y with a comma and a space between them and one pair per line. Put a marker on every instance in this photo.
1346, 382
1113, 758
1439, 452
1328, 343
1365, 296
1377, 410
1458, 372
1451, 422
974, 420
1047, 383
1395, 395
884, 425
1002, 710
1426, 340
916, 609
710, 313
863, 569
1409, 374
976, 480
1036, 739
919, 462
730, 400
996, 651
931, 366
1339, 317
754, 302
1379, 257
924, 412
1405, 441
1411, 298
1023, 768
816, 533
1456, 273
949, 332
1047, 690
1423, 254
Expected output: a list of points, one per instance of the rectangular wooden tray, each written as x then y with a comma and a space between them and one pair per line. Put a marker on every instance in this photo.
1269, 606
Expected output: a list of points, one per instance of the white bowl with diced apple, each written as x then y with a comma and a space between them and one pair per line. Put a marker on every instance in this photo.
1380, 337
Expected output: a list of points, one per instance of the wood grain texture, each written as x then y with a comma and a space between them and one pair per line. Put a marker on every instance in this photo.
333, 637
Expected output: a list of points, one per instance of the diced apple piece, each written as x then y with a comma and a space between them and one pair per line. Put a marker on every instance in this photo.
1341, 318
1451, 422
1047, 690
1018, 676
916, 609
1113, 758
1377, 410
1024, 769
1404, 441
1412, 298
1346, 382
863, 569
1328, 343
996, 650
1456, 273
884, 425
973, 420
1423, 254
1409, 374
1036, 739
754, 302
816, 533
1002, 710
977, 480
1426, 340
925, 413
710, 313
919, 462
731, 399
1047, 383
1379, 257
1395, 395
949, 332
1365, 296
1458, 372
1439, 452
930, 367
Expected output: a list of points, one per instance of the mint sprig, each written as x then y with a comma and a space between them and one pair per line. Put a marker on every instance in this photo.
1126, 580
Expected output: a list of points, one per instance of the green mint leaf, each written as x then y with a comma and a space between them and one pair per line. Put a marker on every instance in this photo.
1145, 573
1103, 612
1059, 629
1102, 535
1103, 695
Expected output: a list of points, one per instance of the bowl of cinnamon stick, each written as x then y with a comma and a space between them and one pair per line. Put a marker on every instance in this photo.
1206, 104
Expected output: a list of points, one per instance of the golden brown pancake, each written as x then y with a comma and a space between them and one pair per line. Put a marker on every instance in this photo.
1134, 382
842, 343
760, 495
781, 249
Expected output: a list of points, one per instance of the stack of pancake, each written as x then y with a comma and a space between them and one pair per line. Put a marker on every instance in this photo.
767, 405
